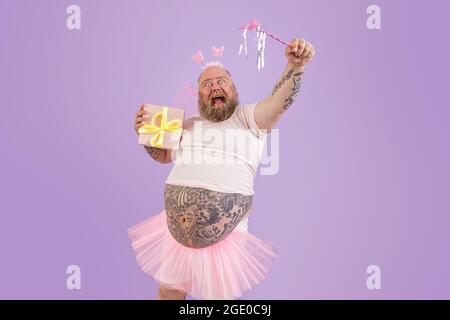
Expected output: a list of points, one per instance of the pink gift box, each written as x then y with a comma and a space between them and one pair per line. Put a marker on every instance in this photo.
163, 128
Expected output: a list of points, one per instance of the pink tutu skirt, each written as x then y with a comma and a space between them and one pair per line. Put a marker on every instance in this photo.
223, 270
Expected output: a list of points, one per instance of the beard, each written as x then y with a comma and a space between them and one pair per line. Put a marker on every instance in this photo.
221, 112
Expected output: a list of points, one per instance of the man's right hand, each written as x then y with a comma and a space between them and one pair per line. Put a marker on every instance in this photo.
140, 119
160, 155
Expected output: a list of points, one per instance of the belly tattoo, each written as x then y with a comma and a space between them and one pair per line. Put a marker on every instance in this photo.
198, 217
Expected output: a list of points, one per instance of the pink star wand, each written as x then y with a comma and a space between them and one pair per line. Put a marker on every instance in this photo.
254, 25
261, 38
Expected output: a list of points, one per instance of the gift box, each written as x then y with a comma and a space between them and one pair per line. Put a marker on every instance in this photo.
164, 128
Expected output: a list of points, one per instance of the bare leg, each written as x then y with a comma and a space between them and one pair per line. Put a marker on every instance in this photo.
165, 293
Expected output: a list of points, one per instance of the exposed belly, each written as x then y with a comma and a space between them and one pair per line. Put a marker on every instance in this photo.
198, 217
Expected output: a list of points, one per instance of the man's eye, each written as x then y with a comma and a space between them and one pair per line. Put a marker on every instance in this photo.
207, 84
221, 81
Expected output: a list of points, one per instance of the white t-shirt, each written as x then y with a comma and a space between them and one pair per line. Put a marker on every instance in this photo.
219, 156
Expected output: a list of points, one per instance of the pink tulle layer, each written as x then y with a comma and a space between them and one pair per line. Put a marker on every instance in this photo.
224, 270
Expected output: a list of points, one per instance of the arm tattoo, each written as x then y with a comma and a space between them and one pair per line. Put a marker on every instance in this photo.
199, 217
295, 90
155, 153
282, 81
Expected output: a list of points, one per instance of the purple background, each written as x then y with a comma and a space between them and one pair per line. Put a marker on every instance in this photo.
364, 161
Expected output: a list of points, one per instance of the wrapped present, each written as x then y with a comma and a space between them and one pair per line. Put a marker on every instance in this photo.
165, 127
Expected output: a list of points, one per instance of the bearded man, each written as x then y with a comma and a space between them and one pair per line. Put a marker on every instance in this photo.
200, 244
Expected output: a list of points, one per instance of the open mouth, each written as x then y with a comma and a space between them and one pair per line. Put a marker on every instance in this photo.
218, 100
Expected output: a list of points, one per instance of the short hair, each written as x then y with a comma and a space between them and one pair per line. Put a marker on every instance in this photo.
213, 64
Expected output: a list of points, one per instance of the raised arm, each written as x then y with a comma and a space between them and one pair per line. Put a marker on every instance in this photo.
285, 91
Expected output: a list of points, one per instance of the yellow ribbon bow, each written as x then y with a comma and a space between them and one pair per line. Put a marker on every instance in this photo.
159, 130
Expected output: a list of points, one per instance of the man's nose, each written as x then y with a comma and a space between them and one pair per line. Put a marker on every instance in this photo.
216, 88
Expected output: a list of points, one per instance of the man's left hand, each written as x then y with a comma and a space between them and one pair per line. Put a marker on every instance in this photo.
299, 53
